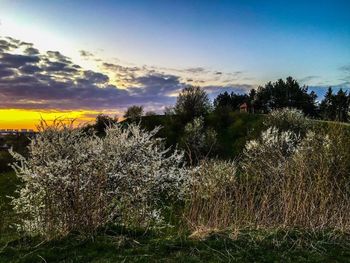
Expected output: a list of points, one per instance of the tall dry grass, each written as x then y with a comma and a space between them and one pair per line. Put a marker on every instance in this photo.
307, 187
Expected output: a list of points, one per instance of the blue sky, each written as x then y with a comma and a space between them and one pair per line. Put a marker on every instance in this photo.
215, 44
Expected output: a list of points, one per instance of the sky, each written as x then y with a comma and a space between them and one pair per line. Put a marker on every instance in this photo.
76, 59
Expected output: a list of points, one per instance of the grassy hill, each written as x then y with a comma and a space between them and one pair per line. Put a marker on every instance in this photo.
170, 244
233, 130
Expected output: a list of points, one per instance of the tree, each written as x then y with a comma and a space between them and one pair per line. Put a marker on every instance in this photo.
342, 106
169, 111
133, 112
335, 107
327, 107
150, 113
102, 122
285, 94
192, 102
230, 102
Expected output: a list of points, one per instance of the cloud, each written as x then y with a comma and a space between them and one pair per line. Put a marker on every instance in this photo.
157, 84
34, 80
214, 91
31, 51
15, 61
345, 68
86, 54
30, 79
5, 71
196, 70
308, 78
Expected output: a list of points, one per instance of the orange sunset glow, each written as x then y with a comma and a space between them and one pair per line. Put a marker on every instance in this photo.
28, 119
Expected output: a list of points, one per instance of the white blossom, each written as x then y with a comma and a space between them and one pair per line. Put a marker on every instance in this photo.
74, 181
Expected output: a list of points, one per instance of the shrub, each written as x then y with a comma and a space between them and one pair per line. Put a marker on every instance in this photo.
197, 140
279, 184
268, 155
316, 190
75, 182
288, 119
210, 203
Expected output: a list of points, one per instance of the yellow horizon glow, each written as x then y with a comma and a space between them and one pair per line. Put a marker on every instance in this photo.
29, 119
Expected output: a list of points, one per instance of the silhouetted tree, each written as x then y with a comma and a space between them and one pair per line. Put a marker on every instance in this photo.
230, 101
150, 113
103, 121
342, 106
133, 112
192, 102
335, 107
285, 94
327, 106
225, 103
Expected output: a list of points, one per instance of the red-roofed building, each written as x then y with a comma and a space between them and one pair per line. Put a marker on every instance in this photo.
243, 107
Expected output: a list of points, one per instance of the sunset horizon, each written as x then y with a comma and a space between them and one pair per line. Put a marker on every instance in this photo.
76, 60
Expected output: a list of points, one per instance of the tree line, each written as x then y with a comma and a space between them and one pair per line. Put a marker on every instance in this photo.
193, 102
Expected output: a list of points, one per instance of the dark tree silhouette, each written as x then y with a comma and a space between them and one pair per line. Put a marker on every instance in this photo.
327, 106
335, 107
102, 121
192, 102
226, 101
133, 112
282, 94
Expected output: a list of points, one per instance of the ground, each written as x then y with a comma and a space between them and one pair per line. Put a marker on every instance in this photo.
115, 244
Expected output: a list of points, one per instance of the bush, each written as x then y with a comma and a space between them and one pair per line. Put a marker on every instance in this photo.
316, 190
288, 119
210, 203
75, 182
268, 155
197, 140
282, 182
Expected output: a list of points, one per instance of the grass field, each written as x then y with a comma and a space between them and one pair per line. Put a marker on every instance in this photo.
116, 244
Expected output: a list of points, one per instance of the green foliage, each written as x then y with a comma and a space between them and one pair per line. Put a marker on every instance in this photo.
168, 244
192, 102
231, 136
19, 143
102, 122
121, 245
233, 133
8, 185
198, 141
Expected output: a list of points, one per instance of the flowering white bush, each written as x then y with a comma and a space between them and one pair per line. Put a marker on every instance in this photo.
288, 119
267, 155
74, 181
198, 140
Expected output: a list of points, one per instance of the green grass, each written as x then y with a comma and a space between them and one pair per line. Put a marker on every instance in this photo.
248, 246
8, 185
116, 244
